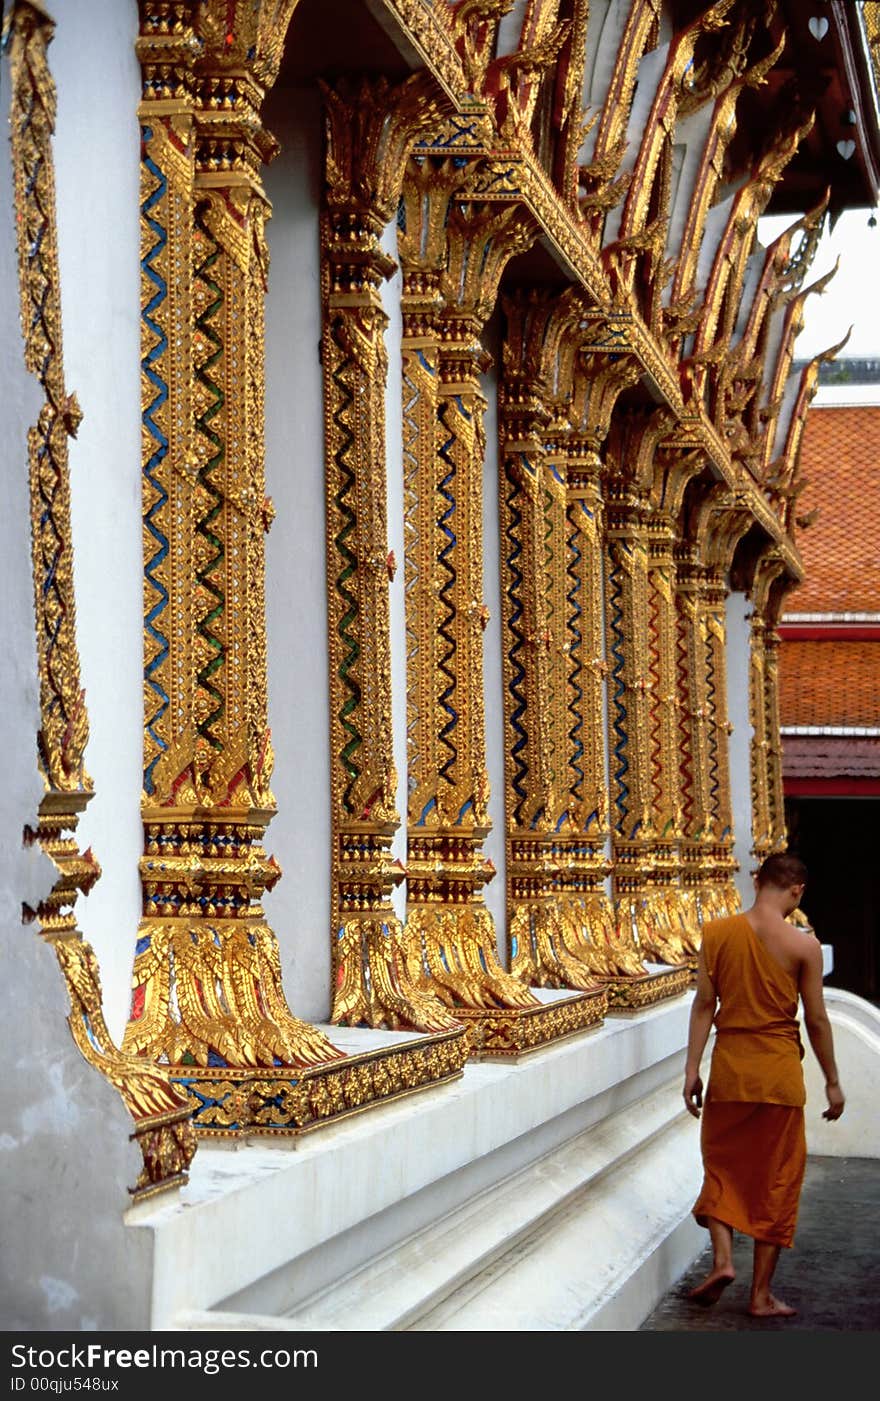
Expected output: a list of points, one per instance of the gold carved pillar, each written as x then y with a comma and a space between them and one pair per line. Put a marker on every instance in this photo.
207, 994
776, 794
667, 904
718, 520
767, 591
582, 849
723, 896
547, 946
675, 459
160, 1112
707, 822
459, 253
453, 252
632, 717
369, 133
762, 825
694, 736
606, 527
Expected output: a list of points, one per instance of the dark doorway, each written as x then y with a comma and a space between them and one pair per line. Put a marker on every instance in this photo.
839, 839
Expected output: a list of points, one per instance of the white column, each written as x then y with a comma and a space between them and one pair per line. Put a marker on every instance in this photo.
298, 909
97, 151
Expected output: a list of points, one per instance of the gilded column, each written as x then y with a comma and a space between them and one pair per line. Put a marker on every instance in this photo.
207, 975
768, 587
779, 833
694, 720
676, 458
668, 910
536, 657
453, 251
724, 898
716, 521
762, 825
719, 521
607, 566
160, 1112
370, 130
587, 913
452, 938
631, 687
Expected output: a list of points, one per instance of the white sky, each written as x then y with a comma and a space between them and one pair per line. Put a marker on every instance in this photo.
852, 298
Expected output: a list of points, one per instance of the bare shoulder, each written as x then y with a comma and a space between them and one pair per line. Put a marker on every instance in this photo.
810, 946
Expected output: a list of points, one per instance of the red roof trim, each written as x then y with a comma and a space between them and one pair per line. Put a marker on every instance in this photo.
829, 632
832, 787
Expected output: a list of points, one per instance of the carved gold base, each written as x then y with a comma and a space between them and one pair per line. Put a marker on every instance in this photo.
515, 1032
452, 954
720, 900
645, 913
684, 918
161, 1114
372, 982
546, 951
285, 1102
598, 937
168, 1145
634, 994
211, 990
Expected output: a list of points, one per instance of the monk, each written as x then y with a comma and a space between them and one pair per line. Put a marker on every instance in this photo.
753, 967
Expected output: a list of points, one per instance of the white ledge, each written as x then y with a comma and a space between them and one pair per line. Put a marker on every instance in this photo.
315, 1208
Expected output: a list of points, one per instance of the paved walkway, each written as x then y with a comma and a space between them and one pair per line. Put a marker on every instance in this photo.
831, 1275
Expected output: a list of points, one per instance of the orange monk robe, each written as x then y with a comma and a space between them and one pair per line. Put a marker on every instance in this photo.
752, 1127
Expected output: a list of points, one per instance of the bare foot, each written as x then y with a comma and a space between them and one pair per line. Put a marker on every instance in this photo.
712, 1287
774, 1308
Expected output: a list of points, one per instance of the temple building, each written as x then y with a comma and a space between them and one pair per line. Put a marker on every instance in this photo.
403, 439
830, 673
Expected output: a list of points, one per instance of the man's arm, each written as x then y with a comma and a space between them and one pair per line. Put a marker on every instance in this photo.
702, 1012
819, 1027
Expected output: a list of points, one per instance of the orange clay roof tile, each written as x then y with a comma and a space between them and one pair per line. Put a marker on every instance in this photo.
829, 683
840, 462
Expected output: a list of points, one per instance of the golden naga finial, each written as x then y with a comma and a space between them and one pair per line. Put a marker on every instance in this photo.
533, 62
475, 23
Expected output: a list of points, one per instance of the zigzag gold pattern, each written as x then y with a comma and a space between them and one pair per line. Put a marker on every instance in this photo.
452, 258
160, 1113
366, 157
638, 853
547, 948
207, 985
484, 153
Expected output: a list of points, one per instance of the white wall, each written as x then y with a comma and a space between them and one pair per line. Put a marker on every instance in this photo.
65, 1155
738, 653
97, 155
296, 592
855, 1026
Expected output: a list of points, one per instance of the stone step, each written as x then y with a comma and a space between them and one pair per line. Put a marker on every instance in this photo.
586, 1234
599, 1259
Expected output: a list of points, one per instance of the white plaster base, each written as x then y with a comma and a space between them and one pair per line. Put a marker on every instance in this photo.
377, 1221
855, 1025
589, 1236
547, 1195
